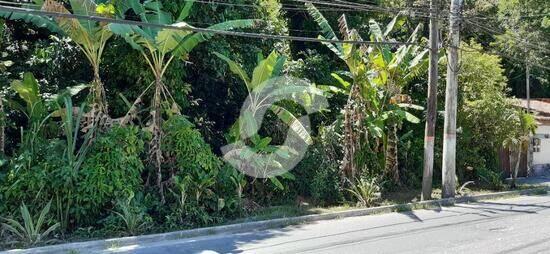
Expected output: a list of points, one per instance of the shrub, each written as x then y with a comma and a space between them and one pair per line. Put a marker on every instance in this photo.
318, 174
35, 177
112, 169
194, 175
318, 178
491, 178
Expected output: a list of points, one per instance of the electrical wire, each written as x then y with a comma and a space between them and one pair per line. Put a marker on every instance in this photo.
494, 31
196, 29
472, 49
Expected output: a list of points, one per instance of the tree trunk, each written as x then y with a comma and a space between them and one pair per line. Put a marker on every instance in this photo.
351, 136
516, 168
98, 113
155, 152
392, 164
99, 92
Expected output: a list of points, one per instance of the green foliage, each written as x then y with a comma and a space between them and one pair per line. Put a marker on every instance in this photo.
365, 191
194, 171
484, 111
318, 173
491, 178
31, 231
186, 146
134, 219
111, 170
29, 92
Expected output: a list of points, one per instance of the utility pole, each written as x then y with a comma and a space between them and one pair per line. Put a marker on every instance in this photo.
528, 93
451, 92
431, 114
528, 87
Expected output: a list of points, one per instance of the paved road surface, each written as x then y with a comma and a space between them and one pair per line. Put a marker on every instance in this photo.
519, 225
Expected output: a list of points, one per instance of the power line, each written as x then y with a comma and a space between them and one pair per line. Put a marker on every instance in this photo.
365, 7
195, 29
472, 49
493, 31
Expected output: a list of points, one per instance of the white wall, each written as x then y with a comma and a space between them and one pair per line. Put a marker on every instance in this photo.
542, 157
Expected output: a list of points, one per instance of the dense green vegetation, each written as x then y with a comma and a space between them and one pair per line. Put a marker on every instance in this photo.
109, 129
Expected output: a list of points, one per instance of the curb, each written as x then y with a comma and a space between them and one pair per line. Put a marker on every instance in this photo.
107, 244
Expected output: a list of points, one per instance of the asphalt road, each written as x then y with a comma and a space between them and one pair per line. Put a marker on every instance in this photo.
519, 225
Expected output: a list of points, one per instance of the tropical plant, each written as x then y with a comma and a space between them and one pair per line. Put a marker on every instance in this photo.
28, 90
266, 70
523, 125
159, 47
375, 103
90, 36
111, 168
30, 232
366, 191
135, 219
491, 178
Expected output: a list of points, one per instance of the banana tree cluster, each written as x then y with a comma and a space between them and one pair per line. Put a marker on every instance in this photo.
160, 47
376, 106
90, 37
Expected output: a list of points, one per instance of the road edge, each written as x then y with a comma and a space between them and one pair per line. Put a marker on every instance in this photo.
113, 243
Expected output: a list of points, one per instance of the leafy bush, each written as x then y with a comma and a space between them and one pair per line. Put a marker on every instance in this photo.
132, 216
318, 178
194, 174
491, 178
111, 170
35, 177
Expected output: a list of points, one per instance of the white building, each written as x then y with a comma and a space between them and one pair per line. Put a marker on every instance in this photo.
539, 152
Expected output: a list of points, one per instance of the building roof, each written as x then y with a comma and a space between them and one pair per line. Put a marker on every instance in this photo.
539, 106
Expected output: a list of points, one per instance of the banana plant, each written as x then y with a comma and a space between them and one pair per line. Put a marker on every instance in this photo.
267, 69
363, 97
160, 47
393, 71
90, 37
378, 75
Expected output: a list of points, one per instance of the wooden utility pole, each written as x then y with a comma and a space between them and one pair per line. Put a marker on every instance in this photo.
528, 87
2, 124
451, 92
431, 114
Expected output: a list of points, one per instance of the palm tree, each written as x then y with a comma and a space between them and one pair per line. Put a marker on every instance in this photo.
523, 125
160, 47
